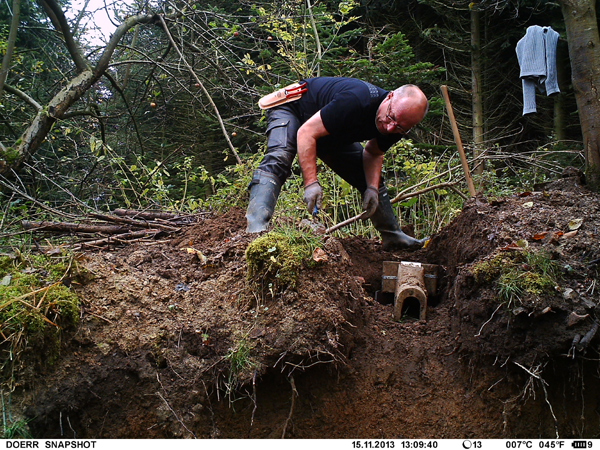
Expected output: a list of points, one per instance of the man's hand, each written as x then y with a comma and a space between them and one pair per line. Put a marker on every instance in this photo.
313, 196
370, 201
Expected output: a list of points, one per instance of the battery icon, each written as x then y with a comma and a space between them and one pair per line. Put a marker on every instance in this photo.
580, 444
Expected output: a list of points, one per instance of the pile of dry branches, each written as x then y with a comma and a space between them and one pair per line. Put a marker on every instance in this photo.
122, 226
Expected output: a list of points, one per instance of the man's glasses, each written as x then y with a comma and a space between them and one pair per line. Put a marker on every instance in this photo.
394, 121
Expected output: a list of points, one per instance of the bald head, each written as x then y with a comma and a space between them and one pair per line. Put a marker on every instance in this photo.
412, 102
401, 110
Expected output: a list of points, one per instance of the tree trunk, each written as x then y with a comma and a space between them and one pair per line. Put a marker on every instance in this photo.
584, 52
560, 114
476, 85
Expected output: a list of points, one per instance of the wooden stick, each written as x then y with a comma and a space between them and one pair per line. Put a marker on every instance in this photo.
344, 223
461, 150
73, 227
423, 191
148, 215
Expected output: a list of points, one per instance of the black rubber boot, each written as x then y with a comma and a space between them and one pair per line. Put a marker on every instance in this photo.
264, 190
384, 220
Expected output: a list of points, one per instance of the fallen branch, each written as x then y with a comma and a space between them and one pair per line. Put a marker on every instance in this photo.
118, 238
148, 215
137, 223
23, 194
73, 227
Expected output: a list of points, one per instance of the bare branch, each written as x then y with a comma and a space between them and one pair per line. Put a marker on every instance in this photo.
23, 96
57, 16
237, 157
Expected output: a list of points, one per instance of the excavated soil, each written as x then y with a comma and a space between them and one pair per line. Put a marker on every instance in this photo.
176, 343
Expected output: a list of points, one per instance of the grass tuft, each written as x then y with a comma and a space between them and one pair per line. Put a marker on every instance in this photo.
519, 277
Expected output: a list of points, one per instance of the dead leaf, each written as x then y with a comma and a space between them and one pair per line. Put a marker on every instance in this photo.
198, 254
570, 234
540, 236
575, 224
511, 246
319, 255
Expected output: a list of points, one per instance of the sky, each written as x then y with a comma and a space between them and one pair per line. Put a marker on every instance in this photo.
98, 23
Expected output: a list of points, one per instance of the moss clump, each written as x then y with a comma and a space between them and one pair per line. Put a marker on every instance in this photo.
490, 269
10, 155
523, 276
275, 259
35, 305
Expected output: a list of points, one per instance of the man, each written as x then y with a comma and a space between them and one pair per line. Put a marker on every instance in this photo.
329, 120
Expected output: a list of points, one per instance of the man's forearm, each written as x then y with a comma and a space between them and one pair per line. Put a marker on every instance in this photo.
307, 156
306, 144
372, 166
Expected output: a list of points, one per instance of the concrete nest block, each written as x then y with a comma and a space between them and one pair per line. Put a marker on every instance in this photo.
412, 283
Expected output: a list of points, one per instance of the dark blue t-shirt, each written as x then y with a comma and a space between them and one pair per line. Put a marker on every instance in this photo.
348, 109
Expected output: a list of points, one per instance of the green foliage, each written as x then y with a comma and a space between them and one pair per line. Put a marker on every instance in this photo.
521, 277
13, 427
391, 64
239, 358
408, 168
36, 305
10, 155
241, 364
231, 185
305, 39
19, 429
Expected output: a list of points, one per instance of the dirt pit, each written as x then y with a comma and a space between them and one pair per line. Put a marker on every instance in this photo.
176, 344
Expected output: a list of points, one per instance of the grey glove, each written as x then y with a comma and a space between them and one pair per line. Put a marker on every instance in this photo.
370, 201
313, 197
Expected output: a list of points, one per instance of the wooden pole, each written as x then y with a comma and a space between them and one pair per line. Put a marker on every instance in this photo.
461, 150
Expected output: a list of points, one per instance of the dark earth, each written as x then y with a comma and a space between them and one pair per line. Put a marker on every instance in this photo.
175, 343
